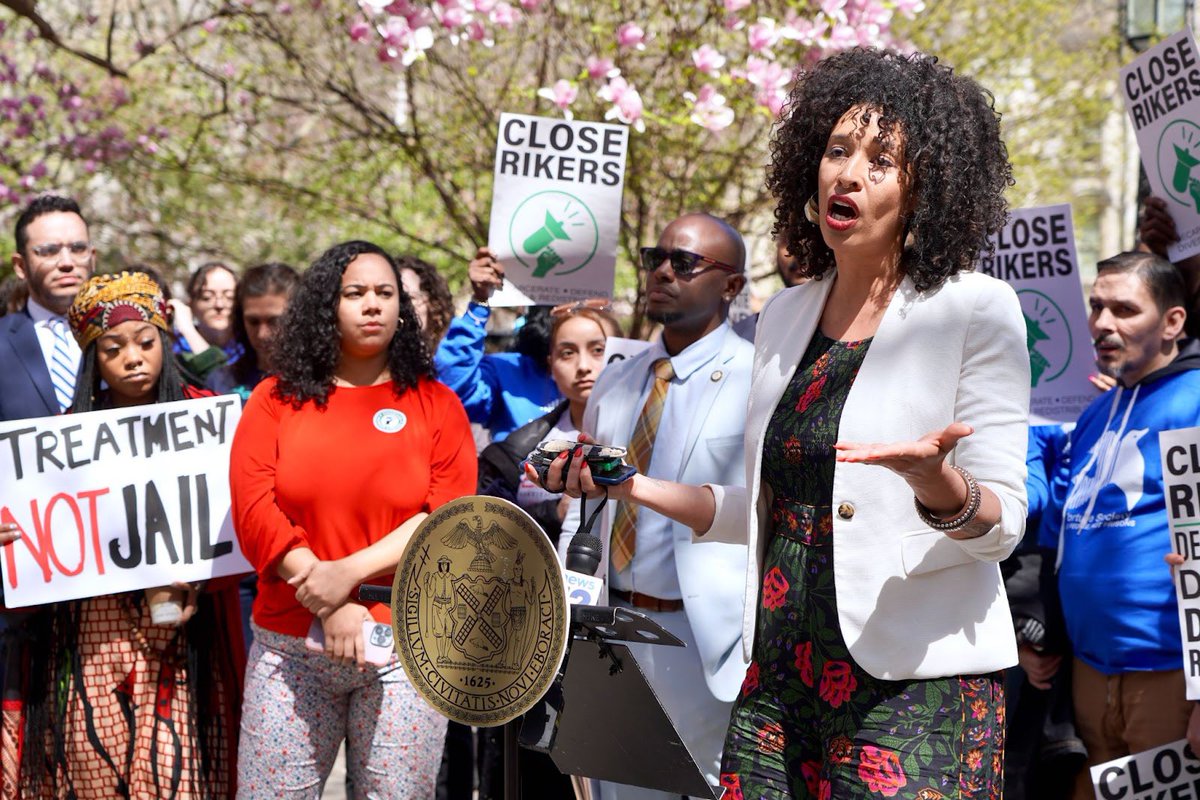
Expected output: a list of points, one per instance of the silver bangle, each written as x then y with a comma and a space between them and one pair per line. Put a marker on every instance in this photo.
964, 517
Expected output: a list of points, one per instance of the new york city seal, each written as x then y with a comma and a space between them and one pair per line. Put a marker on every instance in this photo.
479, 611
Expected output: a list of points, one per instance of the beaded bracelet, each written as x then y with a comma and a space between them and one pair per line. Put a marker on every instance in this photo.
963, 518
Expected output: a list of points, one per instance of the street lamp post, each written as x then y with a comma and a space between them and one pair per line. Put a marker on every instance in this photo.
1143, 20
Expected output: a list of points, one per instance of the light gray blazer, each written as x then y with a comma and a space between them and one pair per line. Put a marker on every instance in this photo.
710, 573
912, 602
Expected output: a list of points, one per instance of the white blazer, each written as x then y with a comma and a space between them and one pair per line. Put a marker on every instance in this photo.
912, 602
710, 573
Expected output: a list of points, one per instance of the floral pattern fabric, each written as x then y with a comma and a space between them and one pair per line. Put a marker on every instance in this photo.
809, 722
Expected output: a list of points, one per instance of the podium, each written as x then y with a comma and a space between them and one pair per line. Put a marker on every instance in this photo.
601, 719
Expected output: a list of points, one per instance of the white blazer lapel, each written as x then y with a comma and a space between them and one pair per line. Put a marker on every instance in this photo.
795, 315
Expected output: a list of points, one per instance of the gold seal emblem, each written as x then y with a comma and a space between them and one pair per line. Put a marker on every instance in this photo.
479, 611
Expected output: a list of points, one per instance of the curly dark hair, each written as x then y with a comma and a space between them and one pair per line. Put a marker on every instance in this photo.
437, 296
955, 161
308, 344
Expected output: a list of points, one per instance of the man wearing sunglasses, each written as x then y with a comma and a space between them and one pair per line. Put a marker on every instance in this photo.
680, 408
39, 357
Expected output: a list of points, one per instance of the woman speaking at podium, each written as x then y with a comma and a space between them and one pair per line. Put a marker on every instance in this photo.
885, 442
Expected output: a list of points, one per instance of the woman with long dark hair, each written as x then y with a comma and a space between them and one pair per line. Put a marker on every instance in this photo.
338, 457
120, 700
885, 446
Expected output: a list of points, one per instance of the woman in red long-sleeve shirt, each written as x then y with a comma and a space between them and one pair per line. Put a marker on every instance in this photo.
335, 462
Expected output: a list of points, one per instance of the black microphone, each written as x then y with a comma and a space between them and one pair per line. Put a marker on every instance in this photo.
584, 552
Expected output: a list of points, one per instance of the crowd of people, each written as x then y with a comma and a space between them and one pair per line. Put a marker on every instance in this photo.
879, 570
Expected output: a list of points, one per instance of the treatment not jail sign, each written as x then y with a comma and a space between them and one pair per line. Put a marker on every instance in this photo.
1162, 97
1181, 487
556, 208
118, 500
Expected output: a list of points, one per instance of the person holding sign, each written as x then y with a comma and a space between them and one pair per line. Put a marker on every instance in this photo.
1118, 601
132, 694
885, 449
338, 457
1157, 233
501, 391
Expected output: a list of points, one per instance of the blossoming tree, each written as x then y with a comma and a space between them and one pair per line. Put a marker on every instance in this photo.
377, 117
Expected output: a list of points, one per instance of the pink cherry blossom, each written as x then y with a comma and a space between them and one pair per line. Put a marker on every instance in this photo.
601, 68
477, 32
843, 37
359, 30
531, 5
630, 34
771, 99
766, 74
210, 25
763, 35
454, 17
562, 94
708, 60
283, 8
613, 90
909, 8
734, 6
709, 109
484, 6
808, 32
503, 16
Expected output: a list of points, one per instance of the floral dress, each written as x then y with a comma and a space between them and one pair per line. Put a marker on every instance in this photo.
809, 722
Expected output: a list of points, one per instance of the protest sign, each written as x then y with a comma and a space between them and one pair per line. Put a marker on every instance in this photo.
1035, 254
117, 500
1168, 771
618, 349
556, 208
1162, 97
1181, 487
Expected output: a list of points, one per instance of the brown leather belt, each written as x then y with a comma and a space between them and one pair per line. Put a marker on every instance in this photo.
639, 600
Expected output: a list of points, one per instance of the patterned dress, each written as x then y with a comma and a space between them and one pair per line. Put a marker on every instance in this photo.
127, 708
809, 722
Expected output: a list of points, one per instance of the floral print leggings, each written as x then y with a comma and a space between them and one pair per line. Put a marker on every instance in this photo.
809, 722
299, 705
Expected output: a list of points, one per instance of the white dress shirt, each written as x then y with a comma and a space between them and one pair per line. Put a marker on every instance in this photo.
43, 319
652, 570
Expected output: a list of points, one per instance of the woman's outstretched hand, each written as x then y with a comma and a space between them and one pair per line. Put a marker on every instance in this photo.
916, 462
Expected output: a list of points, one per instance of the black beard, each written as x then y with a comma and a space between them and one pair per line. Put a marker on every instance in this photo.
664, 317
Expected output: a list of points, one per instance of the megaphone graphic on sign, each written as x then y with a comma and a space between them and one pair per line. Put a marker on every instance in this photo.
1184, 163
543, 236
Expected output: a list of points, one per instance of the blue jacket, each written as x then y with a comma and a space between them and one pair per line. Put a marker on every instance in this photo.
1117, 595
501, 391
25, 388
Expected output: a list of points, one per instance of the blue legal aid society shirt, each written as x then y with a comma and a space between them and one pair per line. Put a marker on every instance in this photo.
501, 391
1117, 595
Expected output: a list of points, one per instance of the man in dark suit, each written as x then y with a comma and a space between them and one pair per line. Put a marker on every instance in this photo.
39, 357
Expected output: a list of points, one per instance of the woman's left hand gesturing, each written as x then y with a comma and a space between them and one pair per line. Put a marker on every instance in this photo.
324, 586
917, 462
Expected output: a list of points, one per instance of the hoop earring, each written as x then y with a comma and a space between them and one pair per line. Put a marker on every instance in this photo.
812, 211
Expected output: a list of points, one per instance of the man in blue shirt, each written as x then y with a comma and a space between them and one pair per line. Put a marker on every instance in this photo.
1118, 599
501, 391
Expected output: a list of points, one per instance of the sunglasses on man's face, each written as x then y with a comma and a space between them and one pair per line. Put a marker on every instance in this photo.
683, 262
